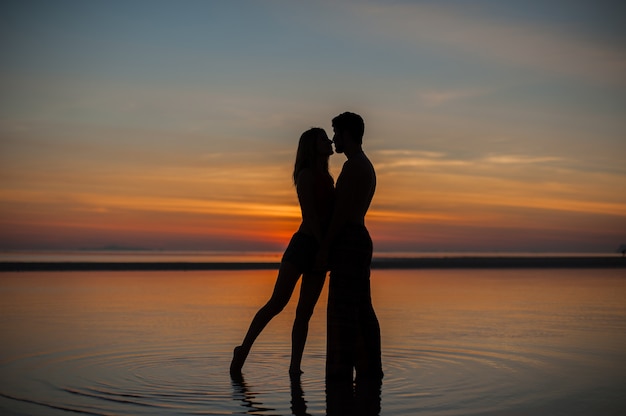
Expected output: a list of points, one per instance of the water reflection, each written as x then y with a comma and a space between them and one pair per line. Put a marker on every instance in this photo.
298, 404
342, 399
242, 393
346, 399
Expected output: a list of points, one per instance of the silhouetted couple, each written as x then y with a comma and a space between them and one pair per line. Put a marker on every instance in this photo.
332, 236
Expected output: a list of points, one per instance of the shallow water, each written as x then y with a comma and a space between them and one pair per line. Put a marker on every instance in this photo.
455, 342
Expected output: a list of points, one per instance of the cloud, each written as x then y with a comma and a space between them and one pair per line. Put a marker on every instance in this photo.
436, 98
528, 45
520, 159
391, 159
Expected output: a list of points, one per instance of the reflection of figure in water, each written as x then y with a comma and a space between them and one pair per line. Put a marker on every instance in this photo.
315, 190
241, 392
249, 398
353, 333
298, 404
361, 399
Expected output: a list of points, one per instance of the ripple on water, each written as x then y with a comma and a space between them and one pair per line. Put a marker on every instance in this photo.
138, 380
445, 380
184, 379
152, 380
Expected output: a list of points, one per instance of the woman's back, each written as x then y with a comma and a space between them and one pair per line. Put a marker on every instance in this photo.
316, 194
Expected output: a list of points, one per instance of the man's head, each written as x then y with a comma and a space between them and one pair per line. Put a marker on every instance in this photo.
348, 127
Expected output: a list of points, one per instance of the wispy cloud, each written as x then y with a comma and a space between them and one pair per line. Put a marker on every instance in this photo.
390, 159
520, 159
527, 45
436, 98
417, 158
106, 203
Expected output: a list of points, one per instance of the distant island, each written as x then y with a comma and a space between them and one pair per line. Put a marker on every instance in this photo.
453, 262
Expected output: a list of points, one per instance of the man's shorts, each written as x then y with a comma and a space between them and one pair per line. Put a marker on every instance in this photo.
351, 252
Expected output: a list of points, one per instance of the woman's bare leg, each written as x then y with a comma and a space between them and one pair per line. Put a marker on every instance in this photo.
288, 275
310, 289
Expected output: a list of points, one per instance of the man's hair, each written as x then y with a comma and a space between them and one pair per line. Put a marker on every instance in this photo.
352, 123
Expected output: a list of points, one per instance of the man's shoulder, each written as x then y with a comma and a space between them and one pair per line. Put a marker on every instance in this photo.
356, 169
350, 166
361, 162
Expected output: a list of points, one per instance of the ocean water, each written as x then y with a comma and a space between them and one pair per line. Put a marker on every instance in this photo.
455, 342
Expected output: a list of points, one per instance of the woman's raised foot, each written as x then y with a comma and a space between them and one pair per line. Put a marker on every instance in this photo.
239, 359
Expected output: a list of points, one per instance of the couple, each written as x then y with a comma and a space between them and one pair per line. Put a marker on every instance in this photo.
332, 237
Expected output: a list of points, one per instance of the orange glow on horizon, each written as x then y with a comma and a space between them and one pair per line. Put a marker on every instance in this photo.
407, 211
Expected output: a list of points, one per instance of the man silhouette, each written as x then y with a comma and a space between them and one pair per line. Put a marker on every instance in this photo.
353, 337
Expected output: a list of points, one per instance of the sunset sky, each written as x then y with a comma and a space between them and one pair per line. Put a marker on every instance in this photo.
493, 125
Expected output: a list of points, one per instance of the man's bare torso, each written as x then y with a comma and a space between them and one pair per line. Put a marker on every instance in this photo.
355, 188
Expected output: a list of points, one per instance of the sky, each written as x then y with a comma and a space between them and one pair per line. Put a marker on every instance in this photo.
173, 125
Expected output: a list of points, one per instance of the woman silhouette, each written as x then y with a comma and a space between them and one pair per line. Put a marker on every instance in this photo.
315, 188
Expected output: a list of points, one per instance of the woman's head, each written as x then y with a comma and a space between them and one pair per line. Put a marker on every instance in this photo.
314, 148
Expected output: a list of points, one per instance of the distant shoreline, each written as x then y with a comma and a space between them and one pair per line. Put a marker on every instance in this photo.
460, 262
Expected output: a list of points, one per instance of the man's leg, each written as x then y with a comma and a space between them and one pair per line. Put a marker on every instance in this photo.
353, 331
341, 328
368, 363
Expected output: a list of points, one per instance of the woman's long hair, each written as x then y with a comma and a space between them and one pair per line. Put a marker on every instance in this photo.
308, 155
